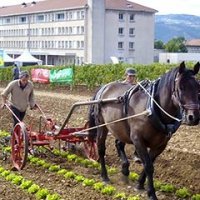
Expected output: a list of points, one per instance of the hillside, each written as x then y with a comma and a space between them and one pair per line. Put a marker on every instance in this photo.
176, 25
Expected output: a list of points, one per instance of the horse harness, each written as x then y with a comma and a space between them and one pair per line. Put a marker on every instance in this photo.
154, 117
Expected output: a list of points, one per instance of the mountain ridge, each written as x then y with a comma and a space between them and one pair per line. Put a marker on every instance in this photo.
177, 25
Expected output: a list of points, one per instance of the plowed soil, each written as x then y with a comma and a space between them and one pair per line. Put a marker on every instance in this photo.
179, 164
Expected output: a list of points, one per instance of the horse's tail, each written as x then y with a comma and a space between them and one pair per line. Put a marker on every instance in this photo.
94, 112
92, 120
92, 123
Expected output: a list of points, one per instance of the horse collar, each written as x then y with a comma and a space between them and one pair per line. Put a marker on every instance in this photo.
154, 117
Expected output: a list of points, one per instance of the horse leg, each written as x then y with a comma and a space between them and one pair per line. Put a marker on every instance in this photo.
148, 170
152, 155
101, 138
121, 153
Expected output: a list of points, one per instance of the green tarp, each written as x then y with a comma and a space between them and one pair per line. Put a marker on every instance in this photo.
61, 76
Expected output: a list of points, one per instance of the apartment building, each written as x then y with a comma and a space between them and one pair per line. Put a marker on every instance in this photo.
61, 32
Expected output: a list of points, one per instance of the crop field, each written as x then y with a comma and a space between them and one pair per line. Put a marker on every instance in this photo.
68, 175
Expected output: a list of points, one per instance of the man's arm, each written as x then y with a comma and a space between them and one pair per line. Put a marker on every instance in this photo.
5, 93
32, 99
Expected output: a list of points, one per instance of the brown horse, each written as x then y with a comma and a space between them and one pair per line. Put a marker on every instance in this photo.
167, 100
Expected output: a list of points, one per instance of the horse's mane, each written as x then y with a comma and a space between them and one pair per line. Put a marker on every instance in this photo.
167, 79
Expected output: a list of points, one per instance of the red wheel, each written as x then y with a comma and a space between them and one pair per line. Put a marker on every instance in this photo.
19, 146
90, 148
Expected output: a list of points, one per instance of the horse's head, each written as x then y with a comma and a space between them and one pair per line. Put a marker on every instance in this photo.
186, 92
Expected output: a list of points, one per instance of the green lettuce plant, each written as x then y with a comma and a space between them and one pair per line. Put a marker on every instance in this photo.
69, 175
133, 176
53, 197
88, 182
42, 193
108, 190
183, 193
121, 196
54, 168
167, 188
26, 184
17, 180
196, 197
79, 178
33, 189
62, 171
98, 186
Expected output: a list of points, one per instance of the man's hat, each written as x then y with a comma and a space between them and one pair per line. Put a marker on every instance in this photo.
23, 74
130, 72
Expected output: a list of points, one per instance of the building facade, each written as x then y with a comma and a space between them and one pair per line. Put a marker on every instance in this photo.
175, 58
193, 46
62, 32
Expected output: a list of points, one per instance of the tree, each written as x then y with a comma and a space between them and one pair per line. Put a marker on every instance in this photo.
176, 45
158, 44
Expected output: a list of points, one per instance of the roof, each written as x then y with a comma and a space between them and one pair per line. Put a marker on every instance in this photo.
127, 5
53, 5
193, 42
7, 58
27, 57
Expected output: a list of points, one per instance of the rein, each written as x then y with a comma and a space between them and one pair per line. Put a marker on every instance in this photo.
112, 122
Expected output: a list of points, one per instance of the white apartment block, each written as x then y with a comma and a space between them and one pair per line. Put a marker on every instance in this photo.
62, 32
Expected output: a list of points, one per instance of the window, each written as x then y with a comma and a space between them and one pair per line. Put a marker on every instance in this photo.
82, 44
60, 16
121, 31
132, 17
78, 14
70, 15
67, 16
121, 16
70, 30
131, 45
82, 29
66, 44
22, 19
82, 15
131, 31
40, 18
7, 20
120, 45
78, 30
78, 44
70, 44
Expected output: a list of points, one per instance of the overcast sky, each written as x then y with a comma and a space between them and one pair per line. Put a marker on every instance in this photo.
163, 6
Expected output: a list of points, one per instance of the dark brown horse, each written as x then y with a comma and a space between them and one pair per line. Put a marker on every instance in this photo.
167, 100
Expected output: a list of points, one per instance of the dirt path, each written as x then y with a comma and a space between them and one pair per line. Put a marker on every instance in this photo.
67, 95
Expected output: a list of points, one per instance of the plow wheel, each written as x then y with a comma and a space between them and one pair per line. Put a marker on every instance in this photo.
90, 148
19, 146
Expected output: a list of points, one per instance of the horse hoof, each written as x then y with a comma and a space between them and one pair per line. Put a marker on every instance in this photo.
140, 187
125, 179
153, 198
137, 160
106, 180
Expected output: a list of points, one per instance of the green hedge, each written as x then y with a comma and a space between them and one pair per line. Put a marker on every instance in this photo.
96, 75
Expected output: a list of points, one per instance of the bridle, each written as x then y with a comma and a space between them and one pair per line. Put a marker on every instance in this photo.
177, 99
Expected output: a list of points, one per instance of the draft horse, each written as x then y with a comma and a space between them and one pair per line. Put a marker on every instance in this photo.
168, 99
